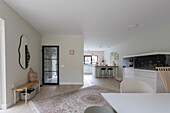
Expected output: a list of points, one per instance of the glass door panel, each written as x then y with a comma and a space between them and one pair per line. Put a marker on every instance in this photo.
50, 53
50, 77
50, 65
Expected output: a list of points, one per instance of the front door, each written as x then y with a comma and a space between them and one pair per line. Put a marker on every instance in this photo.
50, 64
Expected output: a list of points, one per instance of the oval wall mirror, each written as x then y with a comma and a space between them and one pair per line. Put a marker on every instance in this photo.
24, 55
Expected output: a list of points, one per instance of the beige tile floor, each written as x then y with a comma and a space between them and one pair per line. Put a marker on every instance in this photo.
51, 90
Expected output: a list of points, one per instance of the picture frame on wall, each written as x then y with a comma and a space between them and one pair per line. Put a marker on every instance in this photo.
117, 57
71, 52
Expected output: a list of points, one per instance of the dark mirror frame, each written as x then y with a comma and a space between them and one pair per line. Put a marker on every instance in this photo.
27, 54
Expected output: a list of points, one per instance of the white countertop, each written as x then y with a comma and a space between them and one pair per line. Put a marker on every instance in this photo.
146, 70
104, 66
146, 54
139, 102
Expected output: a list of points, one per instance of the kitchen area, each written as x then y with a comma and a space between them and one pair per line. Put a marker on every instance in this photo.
94, 65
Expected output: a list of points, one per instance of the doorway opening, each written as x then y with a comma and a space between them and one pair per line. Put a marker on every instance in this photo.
50, 65
92, 58
89, 61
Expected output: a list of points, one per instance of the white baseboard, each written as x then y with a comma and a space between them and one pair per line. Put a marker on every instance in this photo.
71, 83
5, 106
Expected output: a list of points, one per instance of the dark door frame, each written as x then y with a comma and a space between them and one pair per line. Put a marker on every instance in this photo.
43, 66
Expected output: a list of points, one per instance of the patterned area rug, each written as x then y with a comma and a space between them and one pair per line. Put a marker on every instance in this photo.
72, 102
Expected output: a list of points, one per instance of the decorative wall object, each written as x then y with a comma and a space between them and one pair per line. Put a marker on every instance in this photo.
116, 56
71, 52
32, 76
24, 55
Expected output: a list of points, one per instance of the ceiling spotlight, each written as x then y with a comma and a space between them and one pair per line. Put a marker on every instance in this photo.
133, 26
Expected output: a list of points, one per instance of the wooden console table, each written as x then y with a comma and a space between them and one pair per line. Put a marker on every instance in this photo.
24, 88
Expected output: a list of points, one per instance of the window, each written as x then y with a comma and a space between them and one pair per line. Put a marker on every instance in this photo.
87, 59
90, 59
94, 59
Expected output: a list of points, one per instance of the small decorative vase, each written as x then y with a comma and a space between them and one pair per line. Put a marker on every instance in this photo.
32, 76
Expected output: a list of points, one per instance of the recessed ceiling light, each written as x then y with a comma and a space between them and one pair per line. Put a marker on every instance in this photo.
133, 26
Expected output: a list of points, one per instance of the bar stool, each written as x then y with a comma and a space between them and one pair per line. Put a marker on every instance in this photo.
102, 72
110, 72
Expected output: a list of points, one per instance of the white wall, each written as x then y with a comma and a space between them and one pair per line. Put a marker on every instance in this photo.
156, 41
72, 72
15, 26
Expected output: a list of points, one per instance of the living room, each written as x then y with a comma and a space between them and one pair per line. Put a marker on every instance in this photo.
84, 56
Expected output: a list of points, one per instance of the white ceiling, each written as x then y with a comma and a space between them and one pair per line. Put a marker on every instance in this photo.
102, 22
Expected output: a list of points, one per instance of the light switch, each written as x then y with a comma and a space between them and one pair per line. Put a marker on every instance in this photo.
62, 65
13, 86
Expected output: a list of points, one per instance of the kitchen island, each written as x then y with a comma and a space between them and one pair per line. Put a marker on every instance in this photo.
109, 71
